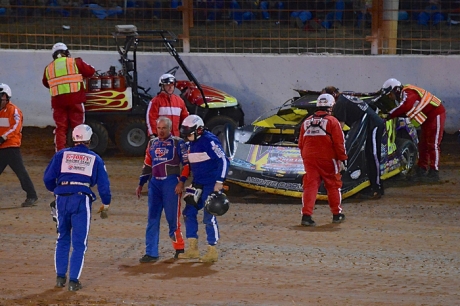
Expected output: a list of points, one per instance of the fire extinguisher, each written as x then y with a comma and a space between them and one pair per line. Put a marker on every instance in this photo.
119, 81
95, 83
106, 81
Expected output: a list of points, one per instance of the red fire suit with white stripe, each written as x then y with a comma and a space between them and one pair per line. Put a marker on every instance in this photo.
322, 147
164, 105
426, 110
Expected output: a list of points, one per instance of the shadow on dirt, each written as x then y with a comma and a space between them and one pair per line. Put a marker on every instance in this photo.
170, 268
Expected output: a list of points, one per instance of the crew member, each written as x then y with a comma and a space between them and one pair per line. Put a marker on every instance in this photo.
349, 110
166, 104
427, 111
322, 147
64, 78
10, 143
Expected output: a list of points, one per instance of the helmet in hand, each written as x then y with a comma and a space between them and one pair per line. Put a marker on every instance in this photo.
217, 203
82, 133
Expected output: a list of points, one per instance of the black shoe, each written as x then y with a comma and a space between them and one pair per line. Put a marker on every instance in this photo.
29, 202
60, 282
432, 176
176, 256
307, 221
74, 286
338, 218
419, 174
147, 258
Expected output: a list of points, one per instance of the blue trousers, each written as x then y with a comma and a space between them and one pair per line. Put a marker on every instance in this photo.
73, 223
191, 218
162, 196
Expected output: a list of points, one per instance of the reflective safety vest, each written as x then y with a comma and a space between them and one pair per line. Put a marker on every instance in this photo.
63, 76
416, 112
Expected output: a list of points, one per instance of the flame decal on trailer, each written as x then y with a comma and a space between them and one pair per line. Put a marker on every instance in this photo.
109, 101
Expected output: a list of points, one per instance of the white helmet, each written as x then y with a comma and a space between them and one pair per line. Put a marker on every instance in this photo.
58, 47
325, 100
82, 133
192, 124
167, 79
5, 89
390, 84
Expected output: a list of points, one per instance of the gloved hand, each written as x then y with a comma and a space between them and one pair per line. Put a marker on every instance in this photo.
192, 195
103, 211
342, 166
218, 186
138, 191
2, 140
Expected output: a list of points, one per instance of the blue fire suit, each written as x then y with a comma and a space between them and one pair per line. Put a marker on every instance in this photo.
70, 175
162, 164
209, 165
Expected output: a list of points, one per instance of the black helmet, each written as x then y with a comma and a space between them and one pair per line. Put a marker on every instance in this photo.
217, 203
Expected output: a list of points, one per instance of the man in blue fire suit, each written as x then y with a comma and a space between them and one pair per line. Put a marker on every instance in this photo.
69, 175
164, 157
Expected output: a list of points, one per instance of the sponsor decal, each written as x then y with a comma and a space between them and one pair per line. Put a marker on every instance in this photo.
160, 152
274, 184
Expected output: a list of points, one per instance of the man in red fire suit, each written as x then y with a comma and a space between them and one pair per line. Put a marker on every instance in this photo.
64, 78
322, 147
425, 110
166, 104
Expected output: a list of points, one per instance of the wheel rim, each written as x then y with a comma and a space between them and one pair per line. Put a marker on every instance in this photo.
407, 160
136, 137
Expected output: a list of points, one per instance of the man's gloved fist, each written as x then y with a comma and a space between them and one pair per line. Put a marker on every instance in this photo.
103, 211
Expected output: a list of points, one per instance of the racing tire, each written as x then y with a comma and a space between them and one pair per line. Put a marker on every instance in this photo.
408, 152
100, 138
219, 126
227, 139
131, 137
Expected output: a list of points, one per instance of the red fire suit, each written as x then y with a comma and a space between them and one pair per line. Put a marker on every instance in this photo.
322, 147
171, 106
68, 108
426, 110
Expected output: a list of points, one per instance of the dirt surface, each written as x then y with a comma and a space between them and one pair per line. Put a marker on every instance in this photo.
400, 250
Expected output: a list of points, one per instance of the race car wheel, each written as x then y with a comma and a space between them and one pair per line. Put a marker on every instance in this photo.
408, 152
131, 137
227, 139
100, 138
221, 126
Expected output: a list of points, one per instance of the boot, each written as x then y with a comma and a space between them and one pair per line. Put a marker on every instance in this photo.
192, 252
432, 176
211, 255
419, 174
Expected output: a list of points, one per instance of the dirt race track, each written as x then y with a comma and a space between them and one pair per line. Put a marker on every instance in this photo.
400, 250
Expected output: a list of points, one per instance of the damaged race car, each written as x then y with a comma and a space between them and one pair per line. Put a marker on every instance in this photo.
265, 155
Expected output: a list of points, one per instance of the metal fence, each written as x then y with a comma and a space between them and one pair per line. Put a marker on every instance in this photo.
252, 27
